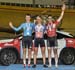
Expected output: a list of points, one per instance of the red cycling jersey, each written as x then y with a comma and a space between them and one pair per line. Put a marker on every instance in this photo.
51, 29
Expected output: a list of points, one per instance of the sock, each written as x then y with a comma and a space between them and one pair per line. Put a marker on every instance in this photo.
49, 61
24, 61
29, 61
56, 61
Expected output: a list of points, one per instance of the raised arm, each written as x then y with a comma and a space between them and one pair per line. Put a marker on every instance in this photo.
62, 13
14, 28
10, 24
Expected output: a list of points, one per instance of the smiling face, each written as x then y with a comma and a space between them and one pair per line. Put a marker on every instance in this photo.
38, 19
50, 19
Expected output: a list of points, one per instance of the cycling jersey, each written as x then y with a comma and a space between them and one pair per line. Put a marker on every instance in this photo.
27, 28
39, 31
51, 29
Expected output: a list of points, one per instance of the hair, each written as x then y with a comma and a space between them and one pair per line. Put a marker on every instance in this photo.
28, 15
38, 16
51, 18
49, 15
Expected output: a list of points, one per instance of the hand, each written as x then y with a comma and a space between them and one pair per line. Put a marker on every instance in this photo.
63, 7
10, 24
34, 21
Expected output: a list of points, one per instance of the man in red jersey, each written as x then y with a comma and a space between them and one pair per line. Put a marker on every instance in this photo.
51, 33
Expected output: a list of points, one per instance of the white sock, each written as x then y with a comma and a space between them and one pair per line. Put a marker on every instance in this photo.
24, 61
56, 62
49, 61
29, 61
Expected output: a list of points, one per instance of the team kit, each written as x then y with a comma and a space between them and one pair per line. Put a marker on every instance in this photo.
40, 29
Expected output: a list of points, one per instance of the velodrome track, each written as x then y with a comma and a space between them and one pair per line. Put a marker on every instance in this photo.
39, 67
19, 66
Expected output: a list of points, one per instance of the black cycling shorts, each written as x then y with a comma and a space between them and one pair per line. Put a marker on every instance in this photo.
39, 41
27, 42
52, 42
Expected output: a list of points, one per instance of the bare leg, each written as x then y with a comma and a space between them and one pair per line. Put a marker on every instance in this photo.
56, 56
49, 55
29, 56
24, 56
43, 55
35, 54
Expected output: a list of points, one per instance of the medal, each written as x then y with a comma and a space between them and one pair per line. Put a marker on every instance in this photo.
50, 26
28, 26
27, 33
39, 31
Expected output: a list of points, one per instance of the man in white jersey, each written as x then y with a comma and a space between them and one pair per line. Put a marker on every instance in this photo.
39, 40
